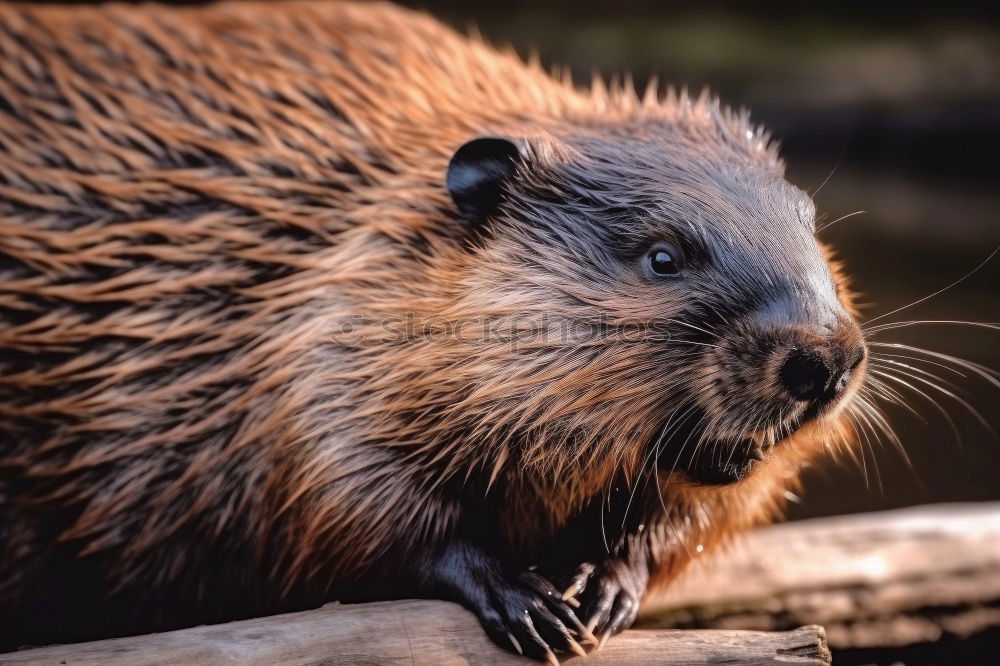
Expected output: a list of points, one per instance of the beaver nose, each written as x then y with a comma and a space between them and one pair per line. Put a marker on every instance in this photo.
818, 352
806, 375
820, 373
811, 376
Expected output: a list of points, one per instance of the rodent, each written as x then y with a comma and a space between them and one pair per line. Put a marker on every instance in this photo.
207, 217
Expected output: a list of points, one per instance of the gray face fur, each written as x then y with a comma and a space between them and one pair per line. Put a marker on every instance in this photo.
753, 339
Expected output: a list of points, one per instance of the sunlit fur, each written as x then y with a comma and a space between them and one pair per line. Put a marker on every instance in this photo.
193, 202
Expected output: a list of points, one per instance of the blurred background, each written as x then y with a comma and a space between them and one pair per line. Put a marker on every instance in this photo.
892, 109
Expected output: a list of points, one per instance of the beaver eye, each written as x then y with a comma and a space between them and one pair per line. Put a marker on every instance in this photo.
665, 261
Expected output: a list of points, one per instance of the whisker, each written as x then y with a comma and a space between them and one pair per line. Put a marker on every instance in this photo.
690, 325
692, 342
960, 400
939, 291
888, 393
844, 440
651, 456
932, 401
687, 439
866, 428
885, 356
756, 426
604, 533
854, 418
830, 175
918, 322
889, 363
655, 452
884, 424
990, 375
842, 217
879, 419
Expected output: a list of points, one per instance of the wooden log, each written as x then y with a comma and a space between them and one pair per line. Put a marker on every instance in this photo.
412, 632
873, 580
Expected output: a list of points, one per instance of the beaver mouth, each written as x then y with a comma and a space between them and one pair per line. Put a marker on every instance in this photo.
711, 461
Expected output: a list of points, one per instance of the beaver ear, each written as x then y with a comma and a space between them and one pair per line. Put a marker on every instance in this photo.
477, 173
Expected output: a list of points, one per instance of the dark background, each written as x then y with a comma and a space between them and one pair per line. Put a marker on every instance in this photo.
896, 108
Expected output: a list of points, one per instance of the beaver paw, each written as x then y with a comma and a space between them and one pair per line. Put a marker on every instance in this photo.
527, 614
609, 595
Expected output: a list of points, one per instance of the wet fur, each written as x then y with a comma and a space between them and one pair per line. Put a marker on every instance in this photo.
193, 201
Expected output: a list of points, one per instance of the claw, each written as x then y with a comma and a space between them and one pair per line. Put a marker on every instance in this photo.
575, 647
513, 641
586, 634
572, 602
604, 639
570, 592
551, 658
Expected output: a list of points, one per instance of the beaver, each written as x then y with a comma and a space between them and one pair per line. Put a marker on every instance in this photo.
325, 301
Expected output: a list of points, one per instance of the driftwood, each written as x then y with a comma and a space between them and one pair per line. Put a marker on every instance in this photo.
412, 632
873, 580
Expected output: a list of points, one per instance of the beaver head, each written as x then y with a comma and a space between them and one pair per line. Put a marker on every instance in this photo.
664, 297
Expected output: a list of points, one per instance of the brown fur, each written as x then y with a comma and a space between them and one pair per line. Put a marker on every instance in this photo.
193, 201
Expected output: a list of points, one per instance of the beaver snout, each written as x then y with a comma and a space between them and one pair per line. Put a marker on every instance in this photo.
819, 371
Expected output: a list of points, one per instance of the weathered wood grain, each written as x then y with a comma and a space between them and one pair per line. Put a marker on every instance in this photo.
872, 580
412, 632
